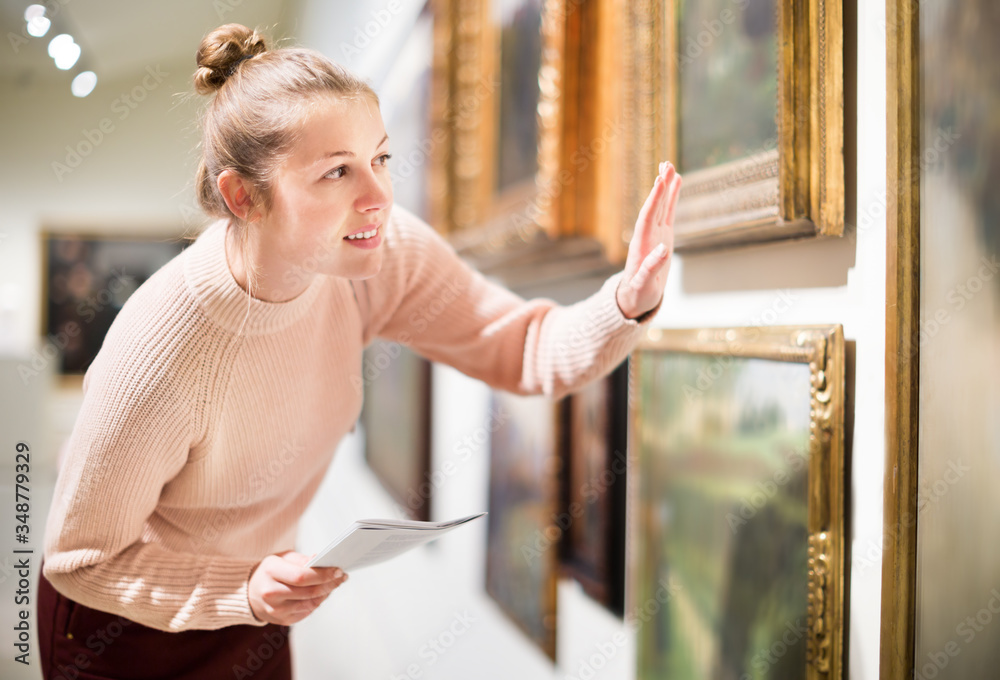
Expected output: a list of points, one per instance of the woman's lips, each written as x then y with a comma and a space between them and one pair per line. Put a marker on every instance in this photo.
366, 243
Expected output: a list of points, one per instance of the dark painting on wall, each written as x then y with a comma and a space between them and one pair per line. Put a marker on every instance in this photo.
396, 417
86, 280
520, 24
594, 488
523, 550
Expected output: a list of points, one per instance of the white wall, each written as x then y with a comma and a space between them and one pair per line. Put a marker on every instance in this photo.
381, 623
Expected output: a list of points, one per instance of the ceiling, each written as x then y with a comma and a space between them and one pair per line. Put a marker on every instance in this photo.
120, 37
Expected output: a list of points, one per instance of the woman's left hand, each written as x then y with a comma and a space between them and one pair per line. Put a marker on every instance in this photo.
652, 245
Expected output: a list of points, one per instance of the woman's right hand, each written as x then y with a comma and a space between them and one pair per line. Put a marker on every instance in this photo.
284, 590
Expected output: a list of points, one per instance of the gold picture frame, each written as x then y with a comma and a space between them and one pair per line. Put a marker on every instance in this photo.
822, 547
794, 189
559, 224
902, 347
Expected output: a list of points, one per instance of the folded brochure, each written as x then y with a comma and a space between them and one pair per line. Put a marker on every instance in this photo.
371, 541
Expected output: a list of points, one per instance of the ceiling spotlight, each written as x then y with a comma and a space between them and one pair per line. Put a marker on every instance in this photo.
84, 83
66, 59
38, 26
59, 43
34, 11
64, 51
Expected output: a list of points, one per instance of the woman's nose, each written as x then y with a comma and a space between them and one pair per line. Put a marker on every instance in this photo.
376, 194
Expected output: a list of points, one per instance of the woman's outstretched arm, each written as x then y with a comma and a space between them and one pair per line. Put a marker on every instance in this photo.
428, 298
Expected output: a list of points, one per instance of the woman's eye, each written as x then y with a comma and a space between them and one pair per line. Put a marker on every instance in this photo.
337, 172
385, 158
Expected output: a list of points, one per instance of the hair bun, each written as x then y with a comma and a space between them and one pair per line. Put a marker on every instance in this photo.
221, 51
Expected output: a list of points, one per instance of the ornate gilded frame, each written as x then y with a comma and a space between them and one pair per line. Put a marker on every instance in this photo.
566, 222
902, 349
822, 348
793, 190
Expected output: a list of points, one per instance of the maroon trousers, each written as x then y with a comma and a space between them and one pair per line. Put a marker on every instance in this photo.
80, 643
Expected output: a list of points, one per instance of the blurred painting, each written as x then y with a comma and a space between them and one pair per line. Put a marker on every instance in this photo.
727, 81
957, 580
594, 488
522, 553
86, 281
722, 516
396, 417
520, 23
752, 100
405, 102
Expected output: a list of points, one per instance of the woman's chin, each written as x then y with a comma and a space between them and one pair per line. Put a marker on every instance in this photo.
360, 268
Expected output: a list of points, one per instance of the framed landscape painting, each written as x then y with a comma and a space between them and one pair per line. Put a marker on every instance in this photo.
522, 558
86, 279
396, 416
595, 455
738, 502
747, 99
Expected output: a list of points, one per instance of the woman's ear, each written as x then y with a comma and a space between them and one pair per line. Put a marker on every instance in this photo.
236, 193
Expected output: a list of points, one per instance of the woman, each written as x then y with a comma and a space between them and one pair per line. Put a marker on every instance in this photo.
214, 407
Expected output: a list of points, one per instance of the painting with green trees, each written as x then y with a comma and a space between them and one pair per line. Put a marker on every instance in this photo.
722, 447
727, 80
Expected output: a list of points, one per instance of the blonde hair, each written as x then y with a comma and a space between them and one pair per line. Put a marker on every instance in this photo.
261, 98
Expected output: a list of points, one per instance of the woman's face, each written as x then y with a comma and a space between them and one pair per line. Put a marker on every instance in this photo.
332, 189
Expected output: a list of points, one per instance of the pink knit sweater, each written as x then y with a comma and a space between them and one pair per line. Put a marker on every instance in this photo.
197, 448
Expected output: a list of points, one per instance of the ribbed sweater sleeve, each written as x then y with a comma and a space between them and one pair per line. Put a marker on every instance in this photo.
428, 298
133, 434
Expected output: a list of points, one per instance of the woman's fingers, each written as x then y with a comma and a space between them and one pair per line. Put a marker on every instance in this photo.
290, 569
650, 267
283, 590
650, 206
671, 202
310, 592
669, 181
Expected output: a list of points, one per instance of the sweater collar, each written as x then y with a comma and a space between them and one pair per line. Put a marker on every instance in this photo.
209, 279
